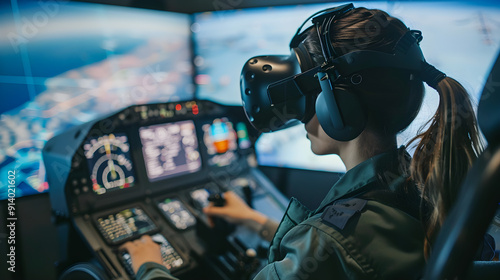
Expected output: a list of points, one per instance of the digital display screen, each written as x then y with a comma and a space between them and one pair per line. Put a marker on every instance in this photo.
109, 163
462, 40
65, 63
221, 141
170, 150
243, 139
125, 224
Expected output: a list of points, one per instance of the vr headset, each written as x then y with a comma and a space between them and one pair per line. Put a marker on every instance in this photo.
279, 91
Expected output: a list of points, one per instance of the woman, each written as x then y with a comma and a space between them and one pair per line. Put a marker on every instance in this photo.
380, 219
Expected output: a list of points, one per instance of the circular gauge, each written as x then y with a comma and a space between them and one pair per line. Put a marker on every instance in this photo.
109, 163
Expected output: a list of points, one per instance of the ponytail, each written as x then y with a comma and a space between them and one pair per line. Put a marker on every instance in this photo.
444, 154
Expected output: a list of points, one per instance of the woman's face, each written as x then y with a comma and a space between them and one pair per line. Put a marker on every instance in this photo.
321, 143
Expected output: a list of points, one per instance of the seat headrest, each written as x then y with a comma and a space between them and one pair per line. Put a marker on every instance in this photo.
488, 115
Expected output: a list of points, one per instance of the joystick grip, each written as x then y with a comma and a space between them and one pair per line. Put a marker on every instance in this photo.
217, 199
215, 237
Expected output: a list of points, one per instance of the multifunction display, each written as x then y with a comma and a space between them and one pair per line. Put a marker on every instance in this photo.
220, 138
124, 225
108, 159
170, 149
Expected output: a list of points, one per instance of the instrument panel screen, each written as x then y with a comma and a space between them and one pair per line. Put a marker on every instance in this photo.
170, 149
220, 138
125, 224
109, 163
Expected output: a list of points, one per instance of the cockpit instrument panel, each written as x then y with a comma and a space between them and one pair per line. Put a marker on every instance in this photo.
150, 169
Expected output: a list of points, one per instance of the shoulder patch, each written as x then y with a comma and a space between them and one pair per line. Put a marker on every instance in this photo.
339, 213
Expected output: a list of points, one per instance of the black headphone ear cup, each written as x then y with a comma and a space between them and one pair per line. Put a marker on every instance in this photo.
344, 105
303, 57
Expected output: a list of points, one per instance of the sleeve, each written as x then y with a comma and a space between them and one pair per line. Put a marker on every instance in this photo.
153, 271
310, 253
266, 231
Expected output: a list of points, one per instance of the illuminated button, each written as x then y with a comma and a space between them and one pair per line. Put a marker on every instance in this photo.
250, 252
169, 251
85, 189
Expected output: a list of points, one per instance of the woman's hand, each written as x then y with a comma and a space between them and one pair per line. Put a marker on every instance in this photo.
143, 250
235, 211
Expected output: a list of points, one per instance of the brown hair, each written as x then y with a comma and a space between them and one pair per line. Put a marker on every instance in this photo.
445, 152
392, 99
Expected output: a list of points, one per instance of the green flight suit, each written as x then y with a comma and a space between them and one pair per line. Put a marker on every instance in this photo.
363, 229
365, 238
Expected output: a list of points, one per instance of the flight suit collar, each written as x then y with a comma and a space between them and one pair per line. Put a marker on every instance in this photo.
367, 175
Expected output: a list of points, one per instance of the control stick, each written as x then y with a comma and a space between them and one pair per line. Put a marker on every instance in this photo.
215, 237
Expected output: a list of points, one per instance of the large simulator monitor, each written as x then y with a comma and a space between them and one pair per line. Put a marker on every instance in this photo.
84, 61
462, 40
